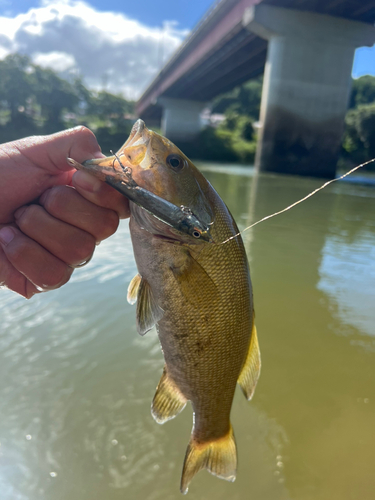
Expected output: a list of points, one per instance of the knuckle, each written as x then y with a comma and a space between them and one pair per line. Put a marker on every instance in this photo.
30, 290
54, 202
17, 250
29, 216
84, 131
85, 249
110, 226
85, 135
57, 278
65, 277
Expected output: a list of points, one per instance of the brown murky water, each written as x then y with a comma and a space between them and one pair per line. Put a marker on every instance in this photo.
76, 381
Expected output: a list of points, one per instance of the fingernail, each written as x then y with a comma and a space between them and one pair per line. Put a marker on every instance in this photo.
6, 235
87, 182
19, 212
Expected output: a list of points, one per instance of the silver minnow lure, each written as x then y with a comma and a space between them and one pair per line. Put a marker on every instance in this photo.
178, 217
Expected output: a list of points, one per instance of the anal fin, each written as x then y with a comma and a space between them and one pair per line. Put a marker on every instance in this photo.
168, 400
148, 311
251, 370
219, 457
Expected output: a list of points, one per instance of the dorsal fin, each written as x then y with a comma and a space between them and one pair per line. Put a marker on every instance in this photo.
168, 400
133, 289
148, 311
251, 370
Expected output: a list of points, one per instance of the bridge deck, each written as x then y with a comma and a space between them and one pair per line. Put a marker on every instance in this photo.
220, 54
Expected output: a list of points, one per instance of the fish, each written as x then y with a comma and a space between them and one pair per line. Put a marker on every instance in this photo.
197, 293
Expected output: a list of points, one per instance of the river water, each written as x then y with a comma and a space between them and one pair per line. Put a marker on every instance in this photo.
76, 381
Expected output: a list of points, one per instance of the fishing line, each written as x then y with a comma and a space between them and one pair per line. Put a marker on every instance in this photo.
299, 201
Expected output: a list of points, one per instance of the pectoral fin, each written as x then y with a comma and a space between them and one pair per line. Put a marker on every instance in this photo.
251, 370
193, 279
168, 400
133, 289
148, 311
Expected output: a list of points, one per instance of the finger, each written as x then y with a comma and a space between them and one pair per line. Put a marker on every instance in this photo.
100, 193
64, 241
33, 261
50, 152
13, 280
66, 204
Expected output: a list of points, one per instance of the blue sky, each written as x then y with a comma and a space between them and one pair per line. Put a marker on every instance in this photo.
364, 62
149, 12
119, 45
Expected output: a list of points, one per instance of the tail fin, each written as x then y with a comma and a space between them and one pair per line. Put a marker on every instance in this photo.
219, 457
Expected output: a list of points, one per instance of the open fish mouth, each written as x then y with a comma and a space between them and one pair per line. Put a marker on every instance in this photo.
139, 132
116, 171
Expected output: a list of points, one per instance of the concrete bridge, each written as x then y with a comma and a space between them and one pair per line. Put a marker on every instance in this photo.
305, 49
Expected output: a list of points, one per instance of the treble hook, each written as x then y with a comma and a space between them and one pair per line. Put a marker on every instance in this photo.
127, 170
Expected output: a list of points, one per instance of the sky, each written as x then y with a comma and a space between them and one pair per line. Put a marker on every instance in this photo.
119, 45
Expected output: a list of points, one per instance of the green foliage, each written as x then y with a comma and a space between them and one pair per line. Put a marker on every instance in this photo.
54, 95
211, 144
34, 100
359, 137
113, 137
105, 105
220, 144
15, 84
363, 91
243, 100
234, 140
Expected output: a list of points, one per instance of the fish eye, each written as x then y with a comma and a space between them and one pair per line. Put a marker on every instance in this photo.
196, 234
176, 162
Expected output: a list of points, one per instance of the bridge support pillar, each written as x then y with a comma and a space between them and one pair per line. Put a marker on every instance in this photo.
181, 120
306, 87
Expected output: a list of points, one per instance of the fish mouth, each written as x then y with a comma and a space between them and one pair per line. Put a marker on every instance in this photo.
138, 132
116, 171
133, 152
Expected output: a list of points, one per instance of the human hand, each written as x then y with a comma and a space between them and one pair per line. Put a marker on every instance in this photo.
51, 217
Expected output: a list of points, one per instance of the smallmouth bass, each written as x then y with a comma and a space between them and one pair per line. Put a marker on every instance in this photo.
196, 291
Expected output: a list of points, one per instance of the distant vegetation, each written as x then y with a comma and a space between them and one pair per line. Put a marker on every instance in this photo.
359, 136
234, 140
34, 101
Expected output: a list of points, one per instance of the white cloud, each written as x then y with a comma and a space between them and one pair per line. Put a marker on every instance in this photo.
58, 61
71, 36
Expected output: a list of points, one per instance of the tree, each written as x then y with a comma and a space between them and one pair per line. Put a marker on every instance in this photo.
108, 119
35, 100
243, 100
359, 137
54, 95
363, 91
105, 105
15, 84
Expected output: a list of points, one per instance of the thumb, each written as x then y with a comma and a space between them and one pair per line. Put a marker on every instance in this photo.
51, 151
